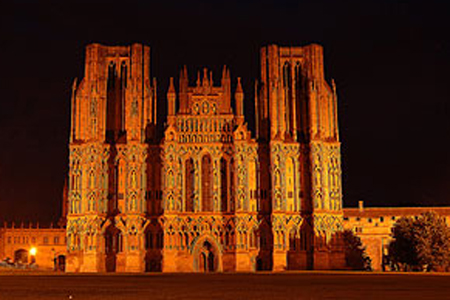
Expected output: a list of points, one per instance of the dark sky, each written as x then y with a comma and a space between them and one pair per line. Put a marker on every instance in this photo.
390, 60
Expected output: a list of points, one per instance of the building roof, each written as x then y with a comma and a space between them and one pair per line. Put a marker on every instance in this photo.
375, 212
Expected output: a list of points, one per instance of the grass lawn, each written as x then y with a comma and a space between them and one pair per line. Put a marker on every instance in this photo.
288, 285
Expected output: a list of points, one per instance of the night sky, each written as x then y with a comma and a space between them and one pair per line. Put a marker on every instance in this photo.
390, 60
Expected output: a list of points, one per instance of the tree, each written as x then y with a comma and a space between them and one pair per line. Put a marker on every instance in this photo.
420, 244
355, 253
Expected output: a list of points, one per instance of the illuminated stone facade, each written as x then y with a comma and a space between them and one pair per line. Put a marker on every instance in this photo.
207, 194
202, 192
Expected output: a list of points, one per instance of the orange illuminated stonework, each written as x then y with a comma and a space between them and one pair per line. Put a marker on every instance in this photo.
203, 193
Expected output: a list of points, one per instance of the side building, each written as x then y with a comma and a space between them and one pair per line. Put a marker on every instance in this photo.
374, 226
30, 244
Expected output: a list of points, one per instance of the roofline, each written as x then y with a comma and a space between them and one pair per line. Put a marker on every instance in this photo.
399, 208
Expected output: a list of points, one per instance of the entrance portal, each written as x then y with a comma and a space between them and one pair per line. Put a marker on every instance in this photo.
21, 256
207, 259
61, 263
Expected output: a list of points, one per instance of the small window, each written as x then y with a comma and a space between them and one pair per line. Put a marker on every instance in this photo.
9, 240
345, 218
381, 219
358, 219
45, 240
33, 240
370, 220
56, 240
393, 218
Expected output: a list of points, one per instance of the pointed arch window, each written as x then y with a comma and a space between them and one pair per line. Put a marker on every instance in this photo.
231, 181
123, 75
287, 85
224, 184
207, 183
300, 101
189, 184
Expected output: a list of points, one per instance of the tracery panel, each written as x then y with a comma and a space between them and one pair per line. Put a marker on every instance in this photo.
207, 184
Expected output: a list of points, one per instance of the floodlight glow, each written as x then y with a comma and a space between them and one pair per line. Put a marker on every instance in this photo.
33, 251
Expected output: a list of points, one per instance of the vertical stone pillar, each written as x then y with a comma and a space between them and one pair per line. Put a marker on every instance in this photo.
279, 255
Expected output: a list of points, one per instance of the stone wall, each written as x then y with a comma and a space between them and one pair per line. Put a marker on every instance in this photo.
50, 243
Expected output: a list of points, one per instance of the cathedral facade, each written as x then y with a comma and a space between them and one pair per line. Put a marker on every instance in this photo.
202, 192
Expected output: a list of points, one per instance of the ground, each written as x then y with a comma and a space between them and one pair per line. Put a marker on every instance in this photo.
301, 285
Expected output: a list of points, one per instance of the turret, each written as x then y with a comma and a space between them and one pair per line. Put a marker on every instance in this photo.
226, 86
171, 96
239, 97
183, 97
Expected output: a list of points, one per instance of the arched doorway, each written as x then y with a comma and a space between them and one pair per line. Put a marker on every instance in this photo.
113, 246
207, 261
207, 255
21, 256
61, 263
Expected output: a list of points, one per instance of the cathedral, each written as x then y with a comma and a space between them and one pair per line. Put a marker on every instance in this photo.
202, 192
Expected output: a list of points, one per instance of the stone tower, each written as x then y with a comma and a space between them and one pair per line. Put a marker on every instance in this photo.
206, 194
297, 118
113, 116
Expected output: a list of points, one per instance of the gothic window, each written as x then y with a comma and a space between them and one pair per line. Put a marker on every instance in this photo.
231, 180
111, 75
298, 78
300, 102
113, 103
207, 184
287, 85
123, 75
189, 184
224, 184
